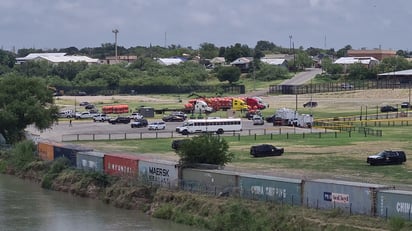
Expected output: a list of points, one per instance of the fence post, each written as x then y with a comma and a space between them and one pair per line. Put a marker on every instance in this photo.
110, 136
238, 137
336, 134
125, 136
255, 136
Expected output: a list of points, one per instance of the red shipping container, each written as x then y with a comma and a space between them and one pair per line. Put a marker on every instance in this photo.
121, 164
45, 150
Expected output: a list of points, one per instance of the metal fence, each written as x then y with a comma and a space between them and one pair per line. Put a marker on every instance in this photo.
262, 134
337, 86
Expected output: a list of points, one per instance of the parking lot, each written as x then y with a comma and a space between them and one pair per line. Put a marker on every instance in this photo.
89, 130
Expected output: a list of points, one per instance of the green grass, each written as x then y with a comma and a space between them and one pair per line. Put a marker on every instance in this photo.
337, 155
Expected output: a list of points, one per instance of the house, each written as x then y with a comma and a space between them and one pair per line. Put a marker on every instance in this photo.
169, 61
368, 62
276, 62
216, 61
243, 63
376, 53
55, 58
120, 58
397, 77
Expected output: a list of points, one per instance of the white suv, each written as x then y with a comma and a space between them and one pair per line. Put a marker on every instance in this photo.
157, 126
101, 118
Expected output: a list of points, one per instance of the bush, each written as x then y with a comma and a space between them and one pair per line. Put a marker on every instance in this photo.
22, 154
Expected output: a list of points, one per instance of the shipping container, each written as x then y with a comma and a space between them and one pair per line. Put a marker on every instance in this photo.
45, 150
147, 112
159, 172
90, 161
119, 164
394, 203
217, 182
69, 151
352, 197
270, 188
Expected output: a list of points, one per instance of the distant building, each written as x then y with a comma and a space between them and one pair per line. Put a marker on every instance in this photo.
377, 54
397, 77
120, 59
169, 61
243, 63
368, 62
55, 58
276, 62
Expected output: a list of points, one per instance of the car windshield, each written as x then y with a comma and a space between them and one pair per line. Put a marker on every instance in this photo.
382, 154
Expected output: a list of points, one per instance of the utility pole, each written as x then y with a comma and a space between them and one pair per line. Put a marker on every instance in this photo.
115, 31
290, 44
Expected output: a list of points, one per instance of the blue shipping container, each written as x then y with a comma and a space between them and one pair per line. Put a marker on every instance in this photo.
217, 182
69, 151
394, 203
270, 188
90, 161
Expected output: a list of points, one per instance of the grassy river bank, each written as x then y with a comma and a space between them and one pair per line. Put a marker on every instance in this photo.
199, 211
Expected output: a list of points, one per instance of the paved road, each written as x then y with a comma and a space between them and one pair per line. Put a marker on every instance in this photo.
88, 130
302, 77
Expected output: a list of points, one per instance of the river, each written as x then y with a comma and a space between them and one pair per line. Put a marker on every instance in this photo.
25, 206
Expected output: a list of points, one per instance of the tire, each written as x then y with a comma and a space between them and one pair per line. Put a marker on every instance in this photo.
219, 131
185, 132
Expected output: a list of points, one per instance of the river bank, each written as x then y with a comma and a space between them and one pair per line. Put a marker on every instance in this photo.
200, 211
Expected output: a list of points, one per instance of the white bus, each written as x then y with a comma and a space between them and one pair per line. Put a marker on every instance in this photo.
217, 125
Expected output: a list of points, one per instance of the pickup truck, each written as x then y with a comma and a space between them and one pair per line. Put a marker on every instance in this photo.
84, 115
101, 118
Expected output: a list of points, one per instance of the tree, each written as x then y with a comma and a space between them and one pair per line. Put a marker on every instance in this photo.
358, 71
208, 51
234, 52
343, 52
269, 72
206, 149
25, 101
231, 74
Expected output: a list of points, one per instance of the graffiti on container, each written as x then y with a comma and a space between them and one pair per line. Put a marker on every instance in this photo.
119, 168
89, 164
403, 207
269, 191
336, 197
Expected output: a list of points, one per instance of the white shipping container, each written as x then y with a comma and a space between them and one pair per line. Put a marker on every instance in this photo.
353, 197
159, 172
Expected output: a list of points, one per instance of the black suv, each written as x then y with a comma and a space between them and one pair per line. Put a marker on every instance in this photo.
139, 123
387, 157
120, 120
265, 150
176, 144
388, 108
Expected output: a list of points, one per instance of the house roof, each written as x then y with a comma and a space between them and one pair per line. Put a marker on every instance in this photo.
273, 61
353, 60
36, 55
70, 58
242, 60
169, 61
218, 60
56, 58
404, 72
